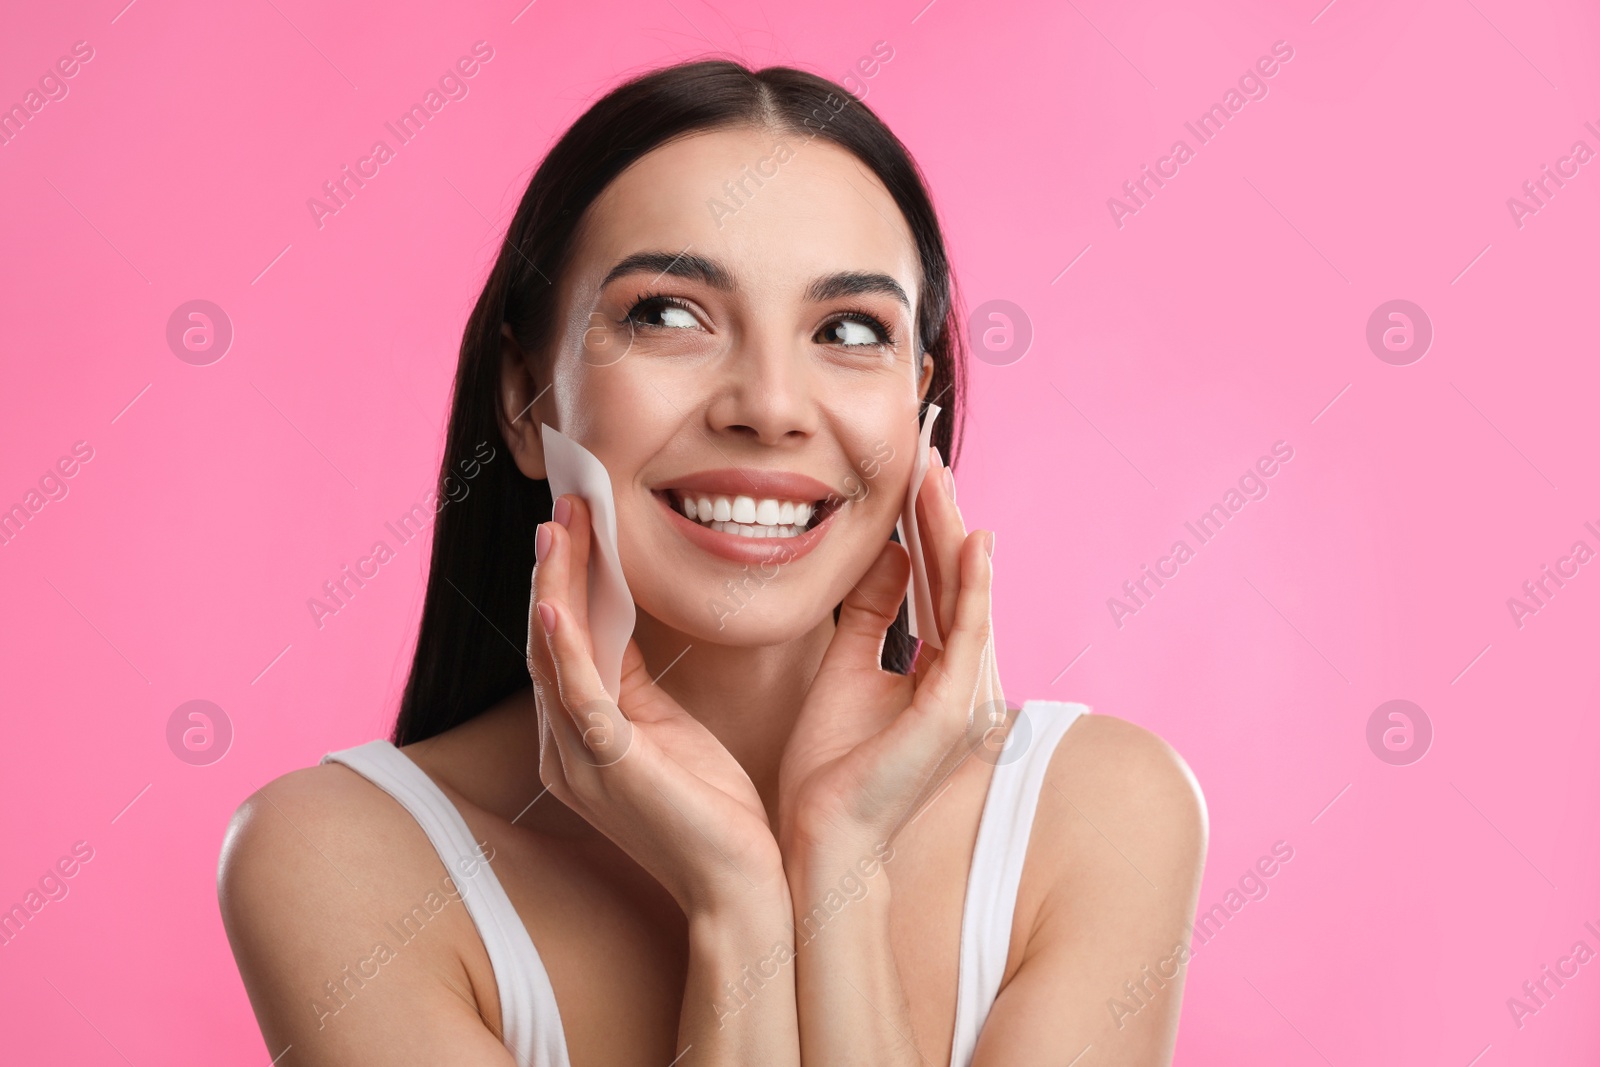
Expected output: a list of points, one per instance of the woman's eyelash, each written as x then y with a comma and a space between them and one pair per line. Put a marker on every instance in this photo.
867, 318
654, 299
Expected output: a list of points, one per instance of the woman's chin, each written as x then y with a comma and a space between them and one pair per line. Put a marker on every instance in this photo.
739, 617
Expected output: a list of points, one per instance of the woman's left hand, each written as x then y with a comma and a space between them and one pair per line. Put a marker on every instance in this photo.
869, 744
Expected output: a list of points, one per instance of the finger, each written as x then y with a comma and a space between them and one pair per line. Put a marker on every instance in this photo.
580, 531
951, 684
546, 577
563, 573
604, 733
589, 725
869, 609
558, 737
942, 530
550, 759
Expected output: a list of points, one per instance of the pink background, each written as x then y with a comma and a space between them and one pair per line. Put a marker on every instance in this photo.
1224, 316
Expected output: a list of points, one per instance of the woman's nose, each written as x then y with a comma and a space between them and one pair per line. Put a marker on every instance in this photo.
766, 391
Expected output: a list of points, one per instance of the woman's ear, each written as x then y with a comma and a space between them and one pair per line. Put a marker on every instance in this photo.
927, 377
521, 405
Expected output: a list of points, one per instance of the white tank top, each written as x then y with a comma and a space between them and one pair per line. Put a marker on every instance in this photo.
530, 1020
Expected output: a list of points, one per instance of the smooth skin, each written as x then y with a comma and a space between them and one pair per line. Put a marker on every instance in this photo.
760, 761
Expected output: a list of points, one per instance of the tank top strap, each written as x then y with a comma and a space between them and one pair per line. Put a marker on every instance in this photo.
997, 858
529, 1018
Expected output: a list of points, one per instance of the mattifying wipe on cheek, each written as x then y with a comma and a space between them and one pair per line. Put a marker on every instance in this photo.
920, 615
571, 468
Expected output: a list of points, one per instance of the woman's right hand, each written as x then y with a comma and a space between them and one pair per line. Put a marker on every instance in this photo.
649, 775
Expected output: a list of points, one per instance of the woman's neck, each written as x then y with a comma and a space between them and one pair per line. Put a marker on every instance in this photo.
747, 696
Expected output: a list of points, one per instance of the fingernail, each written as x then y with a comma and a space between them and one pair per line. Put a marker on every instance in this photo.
547, 617
541, 542
934, 458
988, 544
563, 511
950, 483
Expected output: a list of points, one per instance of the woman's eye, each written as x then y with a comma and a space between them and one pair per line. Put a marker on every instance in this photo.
670, 316
852, 333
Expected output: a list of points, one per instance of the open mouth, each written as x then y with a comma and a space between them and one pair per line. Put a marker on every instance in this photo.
749, 516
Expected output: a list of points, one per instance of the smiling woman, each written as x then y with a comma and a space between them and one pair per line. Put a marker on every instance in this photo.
796, 833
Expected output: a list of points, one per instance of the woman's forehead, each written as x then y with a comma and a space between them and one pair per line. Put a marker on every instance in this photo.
775, 209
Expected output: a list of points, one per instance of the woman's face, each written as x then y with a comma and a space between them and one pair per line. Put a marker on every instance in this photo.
740, 350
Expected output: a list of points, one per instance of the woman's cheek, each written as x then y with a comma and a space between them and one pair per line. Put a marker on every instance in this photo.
882, 472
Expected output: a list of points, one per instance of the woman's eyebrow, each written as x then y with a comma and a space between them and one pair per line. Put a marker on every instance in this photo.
677, 264
709, 271
855, 283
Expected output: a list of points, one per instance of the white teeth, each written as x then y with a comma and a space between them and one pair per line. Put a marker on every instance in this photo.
747, 516
758, 531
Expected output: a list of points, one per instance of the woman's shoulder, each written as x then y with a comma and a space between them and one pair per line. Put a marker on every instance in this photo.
286, 822
303, 843
1113, 872
323, 881
1114, 786
1111, 751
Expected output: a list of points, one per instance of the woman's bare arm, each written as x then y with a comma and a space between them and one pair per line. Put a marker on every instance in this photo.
739, 998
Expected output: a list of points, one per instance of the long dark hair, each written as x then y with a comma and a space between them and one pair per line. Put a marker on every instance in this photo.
470, 646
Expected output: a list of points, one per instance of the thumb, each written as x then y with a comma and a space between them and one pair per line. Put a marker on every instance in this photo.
869, 609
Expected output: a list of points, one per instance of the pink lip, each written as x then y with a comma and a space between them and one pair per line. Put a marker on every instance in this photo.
752, 481
747, 550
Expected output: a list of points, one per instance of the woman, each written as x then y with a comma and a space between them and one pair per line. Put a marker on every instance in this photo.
790, 843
